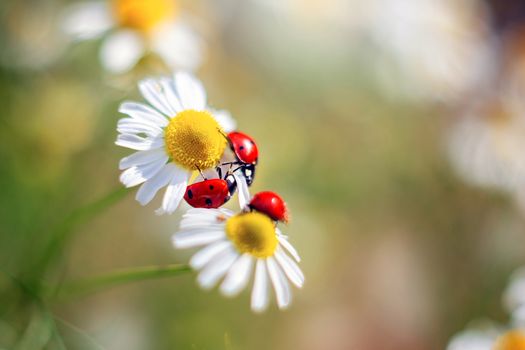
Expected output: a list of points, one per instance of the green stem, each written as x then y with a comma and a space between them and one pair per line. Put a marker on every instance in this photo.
94, 284
65, 230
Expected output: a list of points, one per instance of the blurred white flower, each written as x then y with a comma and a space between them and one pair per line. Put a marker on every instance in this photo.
177, 135
473, 339
486, 146
235, 245
514, 296
135, 28
430, 49
488, 339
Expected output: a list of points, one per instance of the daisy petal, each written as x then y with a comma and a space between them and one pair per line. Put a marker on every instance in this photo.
139, 143
190, 91
178, 45
121, 51
174, 192
168, 86
238, 276
289, 247
140, 173
290, 268
194, 238
141, 158
205, 255
87, 20
134, 126
153, 93
216, 268
149, 189
260, 296
225, 119
280, 284
243, 192
143, 113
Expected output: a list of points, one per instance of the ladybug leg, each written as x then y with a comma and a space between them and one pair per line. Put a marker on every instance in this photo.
200, 172
219, 171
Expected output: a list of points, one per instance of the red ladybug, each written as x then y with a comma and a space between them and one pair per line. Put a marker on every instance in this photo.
210, 193
271, 204
244, 147
246, 153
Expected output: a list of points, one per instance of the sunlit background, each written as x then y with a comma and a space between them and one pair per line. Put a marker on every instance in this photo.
394, 129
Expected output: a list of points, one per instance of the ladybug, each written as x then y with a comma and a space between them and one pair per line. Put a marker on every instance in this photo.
246, 153
210, 193
271, 204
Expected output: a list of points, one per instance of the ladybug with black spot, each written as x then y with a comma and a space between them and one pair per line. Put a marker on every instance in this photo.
211, 193
246, 153
271, 204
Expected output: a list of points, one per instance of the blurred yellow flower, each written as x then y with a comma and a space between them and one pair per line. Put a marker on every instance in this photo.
135, 28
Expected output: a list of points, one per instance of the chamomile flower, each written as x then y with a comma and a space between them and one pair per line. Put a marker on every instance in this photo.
488, 339
174, 136
234, 246
135, 27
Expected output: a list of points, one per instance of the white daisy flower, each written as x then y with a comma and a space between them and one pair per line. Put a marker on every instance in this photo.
173, 137
137, 27
234, 246
488, 339
514, 295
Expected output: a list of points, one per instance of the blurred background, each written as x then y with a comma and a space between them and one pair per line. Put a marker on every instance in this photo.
393, 128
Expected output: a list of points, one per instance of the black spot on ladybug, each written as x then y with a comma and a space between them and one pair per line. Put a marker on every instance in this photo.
211, 187
241, 148
208, 202
253, 143
190, 194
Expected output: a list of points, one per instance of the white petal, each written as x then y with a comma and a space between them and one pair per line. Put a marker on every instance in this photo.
178, 45
149, 188
143, 113
190, 91
174, 192
216, 268
280, 284
141, 157
139, 143
290, 268
238, 276
121, 51
86, 20
140, 173
153, 92
134, 126
224, 118
243, 192
168, 87
194, 238
288, 247
206, 254
260, 295
472, 339
204, 218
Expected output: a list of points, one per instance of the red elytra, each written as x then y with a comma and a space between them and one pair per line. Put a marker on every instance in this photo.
244, 147
207, 194
271, 204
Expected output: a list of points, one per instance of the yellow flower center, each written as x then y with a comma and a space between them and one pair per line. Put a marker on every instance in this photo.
252, 233
512, 340
143, 15
194, 140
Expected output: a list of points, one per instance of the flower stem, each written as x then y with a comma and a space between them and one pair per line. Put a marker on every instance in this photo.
65, 230
94, 284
